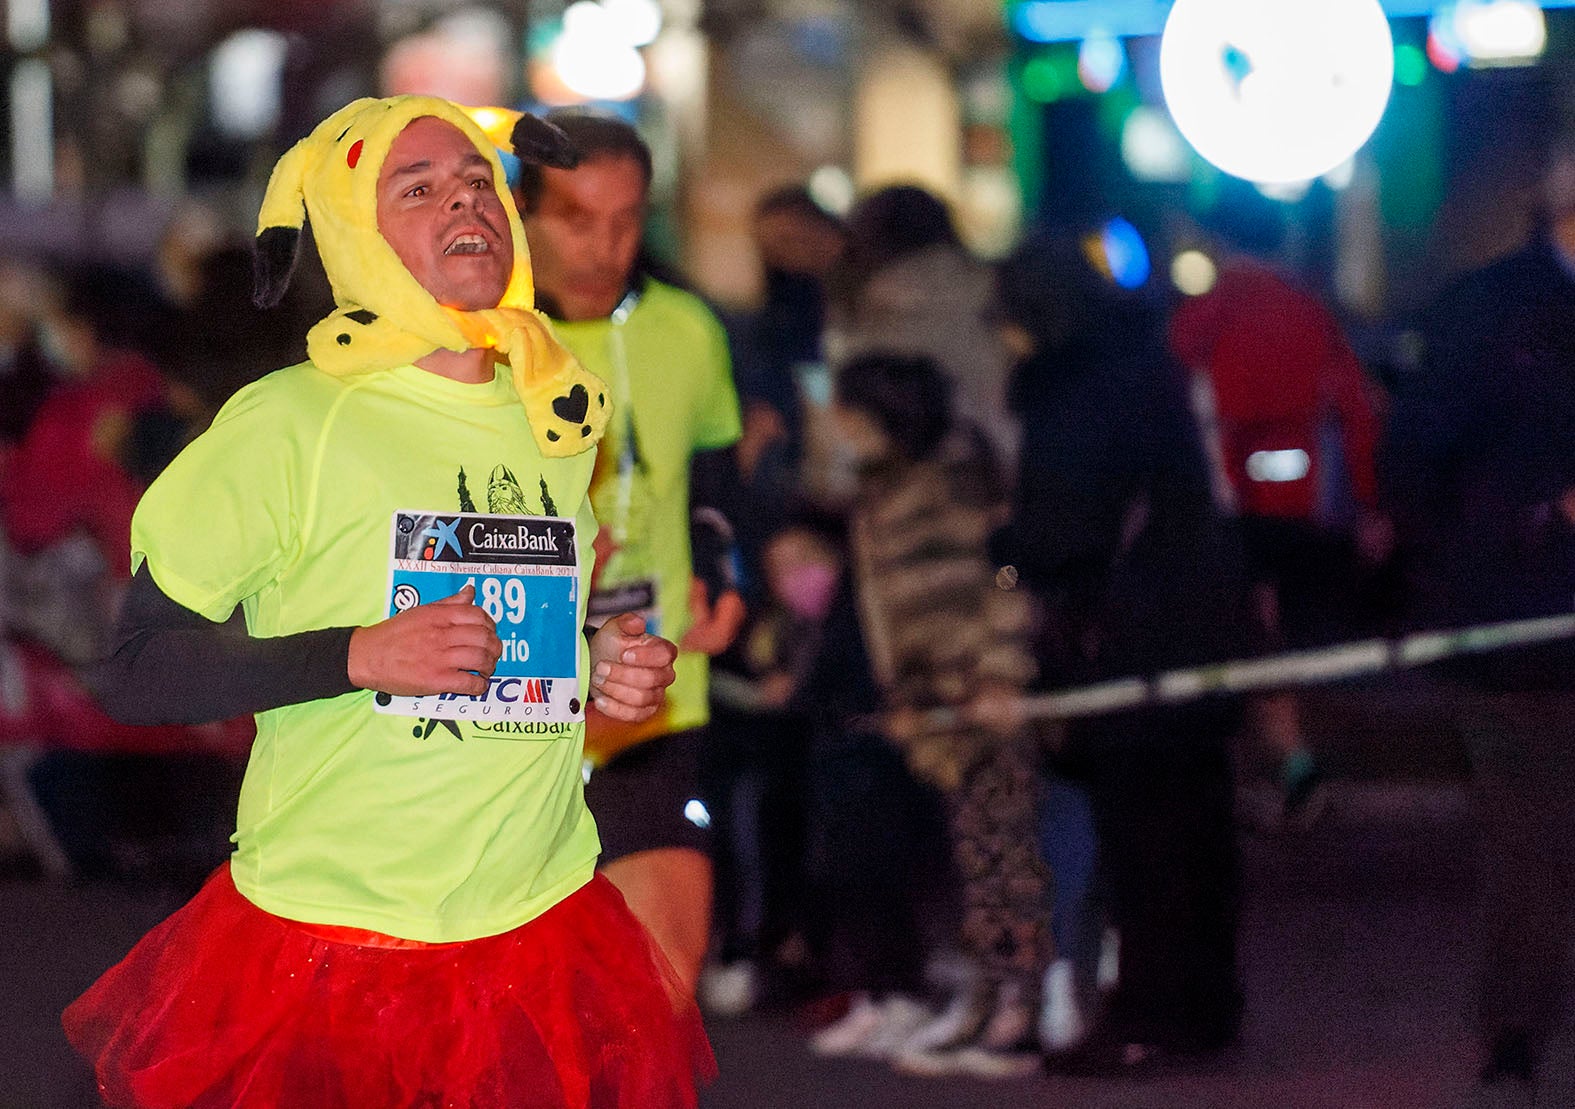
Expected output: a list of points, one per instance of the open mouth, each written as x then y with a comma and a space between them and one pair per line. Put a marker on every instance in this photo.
468, 244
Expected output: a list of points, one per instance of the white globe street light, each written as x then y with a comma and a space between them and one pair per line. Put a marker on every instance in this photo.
1277, 91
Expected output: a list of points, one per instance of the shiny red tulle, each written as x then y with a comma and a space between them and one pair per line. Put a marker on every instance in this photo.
224, 1005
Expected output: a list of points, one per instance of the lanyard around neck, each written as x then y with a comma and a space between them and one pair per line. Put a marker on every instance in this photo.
623, 407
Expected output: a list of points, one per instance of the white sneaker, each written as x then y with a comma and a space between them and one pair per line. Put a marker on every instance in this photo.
974, 1059
900, 1017
935, 1062
849, 1034
730, 989
958, 1023
1108, 973
1011, 1021
1062, 1025
977, 1035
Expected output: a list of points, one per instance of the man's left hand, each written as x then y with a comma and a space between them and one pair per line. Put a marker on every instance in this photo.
712, 628
630, 669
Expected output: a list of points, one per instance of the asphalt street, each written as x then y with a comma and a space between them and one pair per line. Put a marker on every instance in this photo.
1356, 947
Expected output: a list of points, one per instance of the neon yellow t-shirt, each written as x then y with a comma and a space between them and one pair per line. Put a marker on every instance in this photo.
668, 367
424, 829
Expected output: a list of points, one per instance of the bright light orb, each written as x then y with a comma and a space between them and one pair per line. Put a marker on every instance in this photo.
1101, 61
1276, 91
593, 61
833, 189
638, 21
1493, 32
1193, 272
1122, 255
1151, 147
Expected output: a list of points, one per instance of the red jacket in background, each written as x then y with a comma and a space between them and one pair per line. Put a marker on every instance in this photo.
1283, 379
66, 473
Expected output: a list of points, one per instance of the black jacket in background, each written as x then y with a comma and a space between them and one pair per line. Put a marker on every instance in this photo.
1113, 523
1481, 447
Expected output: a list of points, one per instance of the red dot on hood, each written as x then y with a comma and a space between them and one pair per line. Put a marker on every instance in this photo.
353, 155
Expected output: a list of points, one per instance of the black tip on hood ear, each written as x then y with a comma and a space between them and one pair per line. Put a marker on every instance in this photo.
539, 143
273, 261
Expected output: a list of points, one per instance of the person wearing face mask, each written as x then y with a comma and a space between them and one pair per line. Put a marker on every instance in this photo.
755, 767
1115, 533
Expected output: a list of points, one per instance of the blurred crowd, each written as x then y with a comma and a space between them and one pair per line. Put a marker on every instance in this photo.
105, 373
959, 484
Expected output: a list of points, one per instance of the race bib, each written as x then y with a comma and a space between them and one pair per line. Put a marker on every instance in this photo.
638, 597
526, 573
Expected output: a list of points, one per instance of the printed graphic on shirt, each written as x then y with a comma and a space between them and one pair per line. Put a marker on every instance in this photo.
525, 570
504, 494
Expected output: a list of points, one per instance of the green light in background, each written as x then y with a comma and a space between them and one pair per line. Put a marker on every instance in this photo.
1410, 65
1042, 79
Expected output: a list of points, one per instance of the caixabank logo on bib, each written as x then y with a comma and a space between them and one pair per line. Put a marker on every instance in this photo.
470, 538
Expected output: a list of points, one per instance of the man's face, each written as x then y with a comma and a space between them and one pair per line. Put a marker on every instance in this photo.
437, 208
585, 233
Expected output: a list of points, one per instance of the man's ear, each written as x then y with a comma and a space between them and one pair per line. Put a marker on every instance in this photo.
537, 142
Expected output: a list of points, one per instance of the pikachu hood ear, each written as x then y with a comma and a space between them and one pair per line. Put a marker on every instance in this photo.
534, 139
283, 214
530, 138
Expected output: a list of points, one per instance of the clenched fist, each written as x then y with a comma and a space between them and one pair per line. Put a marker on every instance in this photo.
447, 646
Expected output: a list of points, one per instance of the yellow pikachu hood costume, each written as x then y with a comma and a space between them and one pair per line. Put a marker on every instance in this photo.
384, 317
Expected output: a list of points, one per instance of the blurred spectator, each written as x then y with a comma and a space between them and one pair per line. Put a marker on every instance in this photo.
775, 349
66, 501
875, 850
194, 233
223, 340
1290, 424
1114, 528
944, 635
27, 373
75, 471
755, 765
1479, 467
798, 242
906, 284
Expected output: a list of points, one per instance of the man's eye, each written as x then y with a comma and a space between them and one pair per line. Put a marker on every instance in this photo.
481, 183
417, 192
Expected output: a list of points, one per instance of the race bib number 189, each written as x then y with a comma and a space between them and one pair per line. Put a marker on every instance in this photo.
526, 574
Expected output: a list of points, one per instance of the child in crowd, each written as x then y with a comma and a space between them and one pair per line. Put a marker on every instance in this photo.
756, 767
948, 649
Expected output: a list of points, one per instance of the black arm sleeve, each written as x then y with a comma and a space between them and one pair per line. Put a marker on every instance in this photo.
714, 494
168, 665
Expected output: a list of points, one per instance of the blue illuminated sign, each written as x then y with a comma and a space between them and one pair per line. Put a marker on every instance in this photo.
1071, 20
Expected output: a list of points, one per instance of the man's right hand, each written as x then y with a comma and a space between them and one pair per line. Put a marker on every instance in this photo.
447, 646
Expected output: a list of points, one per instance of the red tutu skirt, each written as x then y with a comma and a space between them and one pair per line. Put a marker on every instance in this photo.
224, 1005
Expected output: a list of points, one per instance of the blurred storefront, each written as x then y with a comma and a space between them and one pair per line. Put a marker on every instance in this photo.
120, 111
1448, 180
